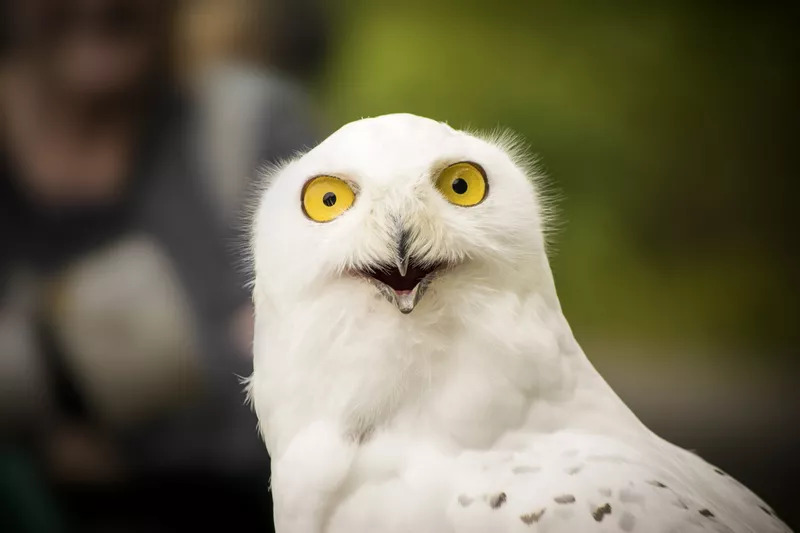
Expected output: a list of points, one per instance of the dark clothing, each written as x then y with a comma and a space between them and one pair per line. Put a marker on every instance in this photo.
212, 445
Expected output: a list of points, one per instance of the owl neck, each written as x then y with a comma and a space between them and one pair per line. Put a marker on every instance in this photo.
468, 368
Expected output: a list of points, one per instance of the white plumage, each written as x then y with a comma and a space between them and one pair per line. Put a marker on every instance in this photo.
474, 409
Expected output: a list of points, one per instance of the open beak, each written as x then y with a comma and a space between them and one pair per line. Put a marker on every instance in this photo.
404, 281
403, 284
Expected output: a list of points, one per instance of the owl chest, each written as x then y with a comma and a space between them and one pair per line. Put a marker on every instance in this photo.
460, 387
468, 405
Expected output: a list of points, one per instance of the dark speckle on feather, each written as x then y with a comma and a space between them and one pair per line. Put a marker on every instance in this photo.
601, 511
564, 498
706, 513
657, 484
497, 501
720, 472
573, 470
766, 510
533, 517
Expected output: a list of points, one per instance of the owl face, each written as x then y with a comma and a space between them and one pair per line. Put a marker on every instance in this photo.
400, 209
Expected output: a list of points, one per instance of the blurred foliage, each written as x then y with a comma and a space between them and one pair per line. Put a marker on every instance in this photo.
665, 128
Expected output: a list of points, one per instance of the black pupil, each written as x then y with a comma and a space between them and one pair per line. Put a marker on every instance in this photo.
329, 199
459, 186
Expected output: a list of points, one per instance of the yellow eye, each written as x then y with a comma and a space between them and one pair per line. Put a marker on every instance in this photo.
326, 197
463, 184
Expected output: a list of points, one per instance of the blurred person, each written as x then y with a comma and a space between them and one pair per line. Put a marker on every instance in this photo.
124, 321
290, 35
223, 47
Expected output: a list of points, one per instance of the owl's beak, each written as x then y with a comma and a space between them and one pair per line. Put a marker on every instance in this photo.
403, 284
406, 280
406, 301
402, 265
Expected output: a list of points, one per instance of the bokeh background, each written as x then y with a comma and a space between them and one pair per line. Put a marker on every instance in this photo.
129, 135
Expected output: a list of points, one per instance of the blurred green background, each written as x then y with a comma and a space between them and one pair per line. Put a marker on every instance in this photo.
666, 130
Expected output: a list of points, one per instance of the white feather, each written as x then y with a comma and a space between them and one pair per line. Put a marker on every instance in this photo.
478, 411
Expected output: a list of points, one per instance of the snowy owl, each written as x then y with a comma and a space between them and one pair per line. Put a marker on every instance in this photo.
414, 372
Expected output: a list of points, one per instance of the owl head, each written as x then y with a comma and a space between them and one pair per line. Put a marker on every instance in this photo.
399, 214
